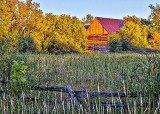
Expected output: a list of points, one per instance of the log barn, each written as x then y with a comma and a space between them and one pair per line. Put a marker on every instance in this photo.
98, 32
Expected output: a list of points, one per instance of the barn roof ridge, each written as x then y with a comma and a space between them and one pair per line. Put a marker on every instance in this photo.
109, 18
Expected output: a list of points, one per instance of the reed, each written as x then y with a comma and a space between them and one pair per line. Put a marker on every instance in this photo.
113, 72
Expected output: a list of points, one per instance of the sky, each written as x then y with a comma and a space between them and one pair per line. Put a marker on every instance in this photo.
98, 8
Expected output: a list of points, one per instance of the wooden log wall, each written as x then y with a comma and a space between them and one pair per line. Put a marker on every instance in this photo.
97, 42
98, 37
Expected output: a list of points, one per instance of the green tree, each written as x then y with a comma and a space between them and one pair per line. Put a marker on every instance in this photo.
87, 19
133, 19
115, 42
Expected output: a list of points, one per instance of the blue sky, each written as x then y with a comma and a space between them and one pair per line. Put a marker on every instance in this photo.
99, 8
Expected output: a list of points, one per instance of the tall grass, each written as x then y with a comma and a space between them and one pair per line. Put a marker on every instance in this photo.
100, 72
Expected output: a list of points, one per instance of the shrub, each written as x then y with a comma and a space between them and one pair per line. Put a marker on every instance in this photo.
114, 42
126, 45
117, 43
12, 68
115, 47
26, 44
17, 82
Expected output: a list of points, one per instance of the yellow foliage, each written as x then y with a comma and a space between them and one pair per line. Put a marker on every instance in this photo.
114, 37
135, 33
154, 40
133, 19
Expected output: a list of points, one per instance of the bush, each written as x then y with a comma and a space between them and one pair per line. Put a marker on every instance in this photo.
126, 45
12, 69
117, 43
120, 46
115, 47
26, 44
17, 82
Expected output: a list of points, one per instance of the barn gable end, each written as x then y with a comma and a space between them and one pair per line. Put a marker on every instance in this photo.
96, 28
98, 32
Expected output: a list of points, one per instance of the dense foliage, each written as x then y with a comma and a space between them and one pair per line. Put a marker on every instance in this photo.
154, 39
49, 32
138, 33
68, 35
134, 32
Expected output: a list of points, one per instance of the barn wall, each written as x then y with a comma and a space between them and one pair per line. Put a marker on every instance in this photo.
96, 28
97, 39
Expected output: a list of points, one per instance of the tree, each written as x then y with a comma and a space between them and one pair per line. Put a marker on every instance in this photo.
34, 24
132, 35
133, 19
155, 16
87, 19
145, 22
134, 32
154, 39
68, 36
19, 19
48, 29
8, 23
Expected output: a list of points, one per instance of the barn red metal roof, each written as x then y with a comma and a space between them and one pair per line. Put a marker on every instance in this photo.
111, 25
